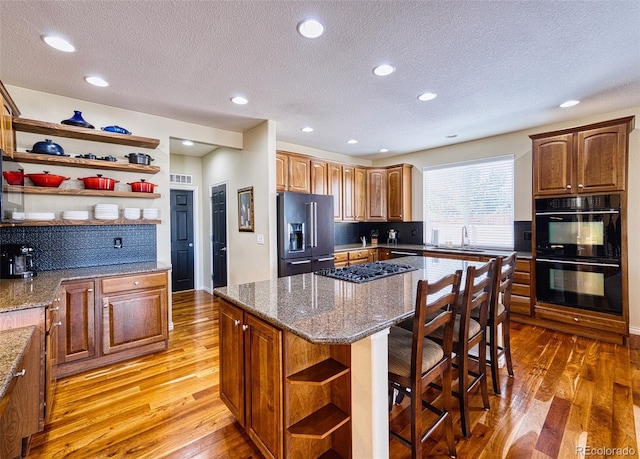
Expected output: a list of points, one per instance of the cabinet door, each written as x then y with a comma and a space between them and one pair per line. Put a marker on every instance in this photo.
334, 183
231, 343
319, 176
601, 159
348, 193
77, 313
376, 195
51, 346
399, 193
20, 404
263, 353
553, 165
133, 319
282, 171
360, 194
299, 174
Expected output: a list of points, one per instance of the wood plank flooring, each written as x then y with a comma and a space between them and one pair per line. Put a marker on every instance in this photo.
568, 393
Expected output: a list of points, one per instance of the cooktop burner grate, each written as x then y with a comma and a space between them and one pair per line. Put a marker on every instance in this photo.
366, 272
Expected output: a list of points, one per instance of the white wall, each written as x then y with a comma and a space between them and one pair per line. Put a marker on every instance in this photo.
253, 166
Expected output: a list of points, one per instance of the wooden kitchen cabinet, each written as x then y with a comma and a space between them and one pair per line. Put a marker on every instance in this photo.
521, 290
319, 176
399, 193
9, 110
251, 376
20, 404
340, 259
360, 194
334, 188
348, 190
299, 174
51, 352
134, 312
586, 159
282, 171
76, 335
376, 200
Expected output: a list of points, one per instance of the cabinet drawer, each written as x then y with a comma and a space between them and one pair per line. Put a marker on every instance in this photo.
523, 265
521, 278
359, 255
521, 289
582, 318
123, 284
521, 304
340, 257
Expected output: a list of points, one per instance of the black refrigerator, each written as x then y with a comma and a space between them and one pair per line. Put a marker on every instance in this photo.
305, 233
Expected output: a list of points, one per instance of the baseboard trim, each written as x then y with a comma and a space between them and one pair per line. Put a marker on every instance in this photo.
634, 330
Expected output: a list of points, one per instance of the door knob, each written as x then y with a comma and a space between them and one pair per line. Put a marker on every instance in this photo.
224, 249
190, 244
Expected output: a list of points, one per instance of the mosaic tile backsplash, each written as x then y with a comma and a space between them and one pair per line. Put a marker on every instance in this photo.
63, 247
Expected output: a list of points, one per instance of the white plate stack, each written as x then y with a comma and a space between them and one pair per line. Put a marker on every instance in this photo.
131, 213
106, 211
39, 215
75, 215
150, 214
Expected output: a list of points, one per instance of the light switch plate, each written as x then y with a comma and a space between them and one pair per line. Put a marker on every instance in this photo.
260, 238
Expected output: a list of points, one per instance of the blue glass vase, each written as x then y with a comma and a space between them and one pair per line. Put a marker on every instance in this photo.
77, 120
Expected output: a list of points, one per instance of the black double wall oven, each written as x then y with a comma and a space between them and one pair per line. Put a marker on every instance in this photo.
578, 252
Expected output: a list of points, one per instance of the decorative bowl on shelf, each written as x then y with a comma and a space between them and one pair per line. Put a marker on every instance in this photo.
77, 120
116, 129
47, 147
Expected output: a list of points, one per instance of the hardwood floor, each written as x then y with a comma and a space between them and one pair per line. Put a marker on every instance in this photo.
568, 392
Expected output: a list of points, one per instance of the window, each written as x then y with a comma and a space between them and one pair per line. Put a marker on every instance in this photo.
475, 194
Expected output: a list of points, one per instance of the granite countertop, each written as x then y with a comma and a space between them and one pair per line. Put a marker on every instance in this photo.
324, 310
421, 247
39, 291
13, 344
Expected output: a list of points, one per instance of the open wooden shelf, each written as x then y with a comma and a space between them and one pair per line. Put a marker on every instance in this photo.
78, 192
53, 160
320, 373
119, 221
74, 132
321, 423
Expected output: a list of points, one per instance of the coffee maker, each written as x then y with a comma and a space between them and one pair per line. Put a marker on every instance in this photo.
16, 261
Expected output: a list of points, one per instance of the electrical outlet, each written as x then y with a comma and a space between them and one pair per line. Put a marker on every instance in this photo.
260, 238
414, 232
117, 243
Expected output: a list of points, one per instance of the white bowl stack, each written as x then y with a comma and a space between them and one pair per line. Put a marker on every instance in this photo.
150, 214
39, 215
75, 215
131, 213
106, 211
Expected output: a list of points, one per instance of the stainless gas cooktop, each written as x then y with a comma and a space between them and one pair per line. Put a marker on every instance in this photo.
366, 272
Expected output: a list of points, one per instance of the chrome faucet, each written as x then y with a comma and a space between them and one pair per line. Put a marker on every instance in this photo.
465, 237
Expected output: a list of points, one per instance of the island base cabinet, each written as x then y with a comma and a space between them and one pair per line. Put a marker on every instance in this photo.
20, 404
251, 376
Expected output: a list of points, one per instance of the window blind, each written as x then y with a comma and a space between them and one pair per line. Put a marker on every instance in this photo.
475, 194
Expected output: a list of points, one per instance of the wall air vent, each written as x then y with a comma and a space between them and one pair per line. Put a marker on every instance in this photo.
181, 179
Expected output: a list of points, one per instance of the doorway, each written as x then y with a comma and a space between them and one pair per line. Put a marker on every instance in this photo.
219, 234
182, 251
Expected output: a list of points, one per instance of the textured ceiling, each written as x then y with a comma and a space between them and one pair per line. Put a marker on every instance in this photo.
496, 66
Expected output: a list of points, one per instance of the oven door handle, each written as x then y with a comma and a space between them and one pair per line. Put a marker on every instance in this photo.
585, 263
586, 212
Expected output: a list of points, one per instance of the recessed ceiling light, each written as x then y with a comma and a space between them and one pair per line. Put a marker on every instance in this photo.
427, 96
384, 70
58, 43
310, 28
239, 100
307, 129
352, 141
384, 150
452, 136
569, 103
96, 81
187, 143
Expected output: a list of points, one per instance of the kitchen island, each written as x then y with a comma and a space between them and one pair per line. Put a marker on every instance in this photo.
294, 316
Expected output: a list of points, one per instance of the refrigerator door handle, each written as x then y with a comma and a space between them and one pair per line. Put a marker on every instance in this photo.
308, 215
315, 224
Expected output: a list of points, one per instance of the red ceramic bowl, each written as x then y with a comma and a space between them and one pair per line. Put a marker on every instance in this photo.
99, 183
14, 177
142, 186
46, 179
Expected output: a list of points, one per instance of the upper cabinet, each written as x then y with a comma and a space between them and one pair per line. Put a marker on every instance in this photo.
9, 110
319, 174
334, 188
299, 174
587, 159
399, 193
282, 171
376, 195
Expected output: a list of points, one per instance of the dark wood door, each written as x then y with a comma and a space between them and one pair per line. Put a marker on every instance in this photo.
182, 275
219, 234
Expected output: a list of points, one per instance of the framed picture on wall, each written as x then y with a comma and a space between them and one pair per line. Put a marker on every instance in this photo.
245, 209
